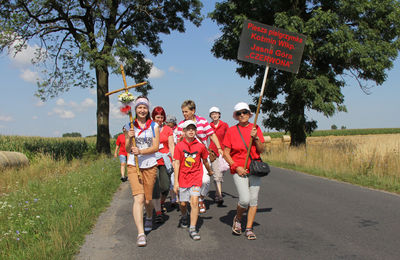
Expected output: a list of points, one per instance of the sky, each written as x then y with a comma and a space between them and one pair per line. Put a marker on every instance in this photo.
185, 70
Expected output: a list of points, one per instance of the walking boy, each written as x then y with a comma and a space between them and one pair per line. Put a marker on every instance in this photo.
189, 155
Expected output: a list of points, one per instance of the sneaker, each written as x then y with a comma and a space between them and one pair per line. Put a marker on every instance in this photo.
159, 219
141, 240
249, 233
124, 179
202, 207
148, 225
237, 226
219, 200
183, 222
194, 234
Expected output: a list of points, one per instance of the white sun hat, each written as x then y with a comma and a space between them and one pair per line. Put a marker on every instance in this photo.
214, 109
188, 123
241, 106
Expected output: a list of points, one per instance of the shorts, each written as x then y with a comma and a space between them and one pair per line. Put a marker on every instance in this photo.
218, 174
186, 193
146, 185
122, 158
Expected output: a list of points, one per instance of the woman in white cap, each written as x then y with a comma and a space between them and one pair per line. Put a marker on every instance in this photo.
236, 140
147, 136
216, 158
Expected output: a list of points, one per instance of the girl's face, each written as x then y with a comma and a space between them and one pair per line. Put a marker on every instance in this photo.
187, 113
159, 119
215, 116
142, 111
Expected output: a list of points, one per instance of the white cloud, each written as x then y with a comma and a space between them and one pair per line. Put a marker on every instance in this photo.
115, 111
40, 103
25, 56
6, 118
88, 102
35, 117
156, 73
174, 69
29, 75
60, 102
66, 114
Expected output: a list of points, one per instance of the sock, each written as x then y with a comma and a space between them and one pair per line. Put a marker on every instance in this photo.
200, 199
149, 218
140, 234
192, 227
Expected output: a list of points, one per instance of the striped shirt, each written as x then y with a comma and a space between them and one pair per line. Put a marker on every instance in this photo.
204, 130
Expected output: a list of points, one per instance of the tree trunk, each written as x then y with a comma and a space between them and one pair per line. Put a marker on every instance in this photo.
103, 108
297, 119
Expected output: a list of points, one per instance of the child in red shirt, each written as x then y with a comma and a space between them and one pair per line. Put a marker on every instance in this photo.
189, 155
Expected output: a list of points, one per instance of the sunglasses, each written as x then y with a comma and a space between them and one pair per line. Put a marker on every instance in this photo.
245, 112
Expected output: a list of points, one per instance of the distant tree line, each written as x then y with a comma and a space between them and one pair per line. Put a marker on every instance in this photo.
73, 134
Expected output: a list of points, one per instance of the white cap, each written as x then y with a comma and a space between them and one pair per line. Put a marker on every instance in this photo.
214, 109
241, 106
188, 123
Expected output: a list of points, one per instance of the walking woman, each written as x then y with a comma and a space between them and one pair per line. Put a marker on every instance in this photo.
164, 160
146, 134
217, 162
235, 152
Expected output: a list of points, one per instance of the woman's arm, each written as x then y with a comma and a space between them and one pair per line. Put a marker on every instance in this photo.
259, 145
214, 138
171, 145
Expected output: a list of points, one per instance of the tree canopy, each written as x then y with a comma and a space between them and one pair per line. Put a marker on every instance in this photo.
357, 38
75, 37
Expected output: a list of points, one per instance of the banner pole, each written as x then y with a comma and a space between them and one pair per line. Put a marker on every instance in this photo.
257, 112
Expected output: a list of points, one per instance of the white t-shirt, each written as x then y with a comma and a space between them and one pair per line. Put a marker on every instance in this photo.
143, 141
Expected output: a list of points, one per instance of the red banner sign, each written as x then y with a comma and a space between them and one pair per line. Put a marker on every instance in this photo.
263, 44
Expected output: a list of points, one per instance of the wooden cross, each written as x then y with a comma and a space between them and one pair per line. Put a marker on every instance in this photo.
130, 113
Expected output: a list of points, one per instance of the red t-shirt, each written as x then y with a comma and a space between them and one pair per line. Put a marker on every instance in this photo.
166, 132
233, 141
190, 168
121, 143
220, 131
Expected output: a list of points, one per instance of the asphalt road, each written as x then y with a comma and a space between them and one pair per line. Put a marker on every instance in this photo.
299, 217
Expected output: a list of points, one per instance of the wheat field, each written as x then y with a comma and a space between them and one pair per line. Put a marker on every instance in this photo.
376, 156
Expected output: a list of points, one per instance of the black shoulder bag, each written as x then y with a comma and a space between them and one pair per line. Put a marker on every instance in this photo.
257, 167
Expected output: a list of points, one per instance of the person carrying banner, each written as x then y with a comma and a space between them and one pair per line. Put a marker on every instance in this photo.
235, 152
147, 136
204, 130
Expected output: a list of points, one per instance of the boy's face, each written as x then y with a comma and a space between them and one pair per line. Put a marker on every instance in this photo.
190, 131
187, 113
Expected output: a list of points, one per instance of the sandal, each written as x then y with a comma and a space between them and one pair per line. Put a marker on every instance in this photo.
194, 234
237, 226
250, 234
141, 240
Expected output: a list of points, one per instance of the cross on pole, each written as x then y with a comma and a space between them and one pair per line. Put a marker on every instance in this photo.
130, 113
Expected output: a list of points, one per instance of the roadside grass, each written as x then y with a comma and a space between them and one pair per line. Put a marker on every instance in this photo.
372, 161
46, 216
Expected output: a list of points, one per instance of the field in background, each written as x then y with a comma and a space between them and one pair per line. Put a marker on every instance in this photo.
341, 132
370, 160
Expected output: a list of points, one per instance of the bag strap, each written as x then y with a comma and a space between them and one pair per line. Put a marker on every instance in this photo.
243, 140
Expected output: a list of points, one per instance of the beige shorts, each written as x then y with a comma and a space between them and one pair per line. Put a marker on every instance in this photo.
144, 186
218, 174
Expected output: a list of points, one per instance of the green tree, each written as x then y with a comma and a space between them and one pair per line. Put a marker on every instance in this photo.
359, 38
73, 134
79, 36
333, 127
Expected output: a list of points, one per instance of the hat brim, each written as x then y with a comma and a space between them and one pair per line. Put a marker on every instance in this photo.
236, 118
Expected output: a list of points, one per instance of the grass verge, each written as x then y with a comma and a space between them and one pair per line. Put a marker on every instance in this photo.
48, 219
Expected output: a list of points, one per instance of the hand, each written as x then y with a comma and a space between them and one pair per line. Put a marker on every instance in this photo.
135, 151
176, 188
210, 173
241, 171
131, 133
115, 155
253, 132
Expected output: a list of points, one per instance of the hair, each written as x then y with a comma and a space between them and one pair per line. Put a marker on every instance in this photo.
148, 114
158, 111
189, 104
